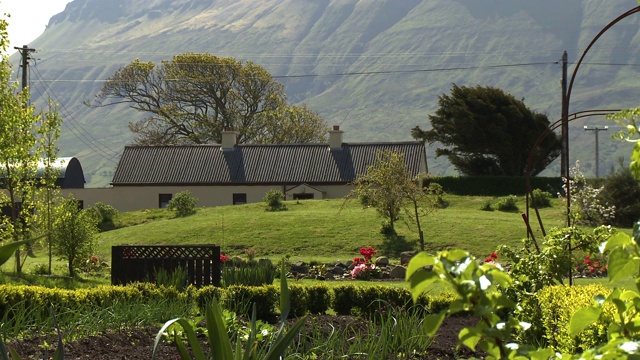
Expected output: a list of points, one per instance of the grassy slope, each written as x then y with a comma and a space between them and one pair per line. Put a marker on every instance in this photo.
316, 230
323, 230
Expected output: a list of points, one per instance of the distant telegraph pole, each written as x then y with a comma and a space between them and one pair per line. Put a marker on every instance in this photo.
596, 129
25, 51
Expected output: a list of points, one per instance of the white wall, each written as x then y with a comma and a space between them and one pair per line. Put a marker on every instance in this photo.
130, 198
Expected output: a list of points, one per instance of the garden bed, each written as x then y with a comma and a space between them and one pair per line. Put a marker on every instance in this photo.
138, 343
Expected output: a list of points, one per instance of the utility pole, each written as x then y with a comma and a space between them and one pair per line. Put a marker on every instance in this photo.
596, 130
25, 51
564, 151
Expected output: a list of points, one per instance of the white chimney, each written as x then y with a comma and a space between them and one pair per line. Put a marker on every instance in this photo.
335, 137
229, 137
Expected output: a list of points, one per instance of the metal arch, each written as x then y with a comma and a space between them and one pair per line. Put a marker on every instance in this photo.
532, 155
559, 123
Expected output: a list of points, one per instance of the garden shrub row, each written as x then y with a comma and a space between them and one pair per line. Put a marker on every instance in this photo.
495, 185
549, 312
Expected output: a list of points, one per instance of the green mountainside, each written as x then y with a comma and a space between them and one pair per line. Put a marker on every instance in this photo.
374, 67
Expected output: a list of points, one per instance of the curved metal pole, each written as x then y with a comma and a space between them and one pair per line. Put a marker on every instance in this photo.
560, 122
532, 156
568, 99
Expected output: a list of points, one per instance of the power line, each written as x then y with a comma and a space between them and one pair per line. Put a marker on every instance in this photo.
77, 130
357, 73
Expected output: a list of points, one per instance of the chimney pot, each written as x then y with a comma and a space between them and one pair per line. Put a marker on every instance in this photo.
335, 137
229, 139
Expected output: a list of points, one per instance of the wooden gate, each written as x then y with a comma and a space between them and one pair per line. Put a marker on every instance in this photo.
130, 263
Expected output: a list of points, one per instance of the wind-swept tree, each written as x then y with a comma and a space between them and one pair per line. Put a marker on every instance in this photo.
486, 131
194, 97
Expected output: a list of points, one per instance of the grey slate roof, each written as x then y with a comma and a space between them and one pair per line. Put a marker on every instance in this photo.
256, 164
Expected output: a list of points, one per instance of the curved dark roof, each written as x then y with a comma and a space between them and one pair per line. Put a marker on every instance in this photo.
256, 164
70, 174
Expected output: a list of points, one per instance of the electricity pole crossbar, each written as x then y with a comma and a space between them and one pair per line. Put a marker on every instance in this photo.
596, 130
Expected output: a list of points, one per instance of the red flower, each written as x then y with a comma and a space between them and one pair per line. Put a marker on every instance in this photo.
223, 258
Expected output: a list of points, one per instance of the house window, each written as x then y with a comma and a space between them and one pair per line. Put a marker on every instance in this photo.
303, 196
163, 200
239, 199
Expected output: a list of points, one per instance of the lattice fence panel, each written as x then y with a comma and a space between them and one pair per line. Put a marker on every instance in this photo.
131, 263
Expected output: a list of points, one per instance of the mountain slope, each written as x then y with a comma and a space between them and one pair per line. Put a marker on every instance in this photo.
375, 67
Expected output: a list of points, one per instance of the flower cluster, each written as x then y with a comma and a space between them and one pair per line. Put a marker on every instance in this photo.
223, 259
586, 205
491, 259
363, 267
92, 264
368, 253
592, 267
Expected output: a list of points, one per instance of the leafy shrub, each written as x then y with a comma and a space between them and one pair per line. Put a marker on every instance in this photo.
345, 298
438, 302
622, 190
249, 273
184, 204
299, 300
319, 298
40, 269
176, 278
438, 193
239, 298
507, 203
205, 295
487, 206
273, 199
541, 199
557, 305
105, 214
587, 206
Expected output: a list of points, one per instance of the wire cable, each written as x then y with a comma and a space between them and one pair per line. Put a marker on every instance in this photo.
78, 130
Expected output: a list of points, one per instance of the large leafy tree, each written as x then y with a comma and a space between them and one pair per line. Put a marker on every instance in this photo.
26, 139
194, 97
486, 131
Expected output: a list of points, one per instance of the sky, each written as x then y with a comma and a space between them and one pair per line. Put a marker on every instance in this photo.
29, 18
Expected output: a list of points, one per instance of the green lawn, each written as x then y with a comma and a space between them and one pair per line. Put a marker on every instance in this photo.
325, 230
318, 231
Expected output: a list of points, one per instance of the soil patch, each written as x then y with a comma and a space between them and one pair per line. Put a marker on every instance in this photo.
138, 343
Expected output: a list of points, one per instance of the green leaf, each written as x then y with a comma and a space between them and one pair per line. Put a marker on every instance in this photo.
3, 351
6, 251
620, 264
219, 341
251, 343
541, 354
469, 337
420, 281
582, 318
418, 262
277, 349
457, 255
14, 354
500, 277
432, 322
617, 240
182, 350
159, 336
285, 295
